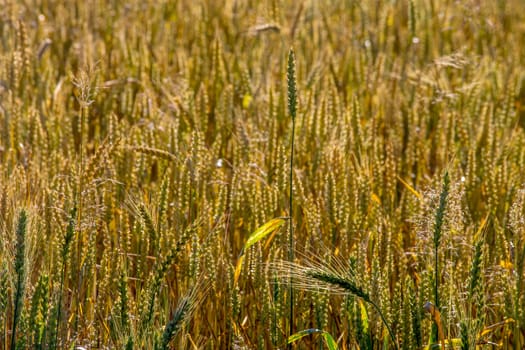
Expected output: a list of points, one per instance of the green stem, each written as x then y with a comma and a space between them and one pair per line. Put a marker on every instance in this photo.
436, 282
291, 238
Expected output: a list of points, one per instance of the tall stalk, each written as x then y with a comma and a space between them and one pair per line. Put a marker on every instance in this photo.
292, 108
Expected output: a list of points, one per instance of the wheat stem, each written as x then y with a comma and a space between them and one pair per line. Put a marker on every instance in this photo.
292, 106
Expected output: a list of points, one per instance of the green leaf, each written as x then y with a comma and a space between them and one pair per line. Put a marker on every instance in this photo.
296, 336
330, 342
364, 317
263, 231
255, 237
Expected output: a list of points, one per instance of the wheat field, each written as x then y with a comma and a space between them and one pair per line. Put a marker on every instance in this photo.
262, 174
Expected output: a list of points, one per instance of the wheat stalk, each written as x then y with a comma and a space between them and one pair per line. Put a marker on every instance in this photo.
292, 108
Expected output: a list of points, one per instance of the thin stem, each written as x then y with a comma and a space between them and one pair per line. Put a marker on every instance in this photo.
83, 116
385, 323
436, 269
291, 239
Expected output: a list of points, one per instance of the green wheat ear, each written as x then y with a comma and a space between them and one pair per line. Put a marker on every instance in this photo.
65, 248
20, 269
292, 85
440, 213
438, 228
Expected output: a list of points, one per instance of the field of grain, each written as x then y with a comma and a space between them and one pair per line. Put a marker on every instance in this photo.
262, 174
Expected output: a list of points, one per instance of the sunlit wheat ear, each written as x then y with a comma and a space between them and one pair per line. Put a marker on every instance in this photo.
148, 218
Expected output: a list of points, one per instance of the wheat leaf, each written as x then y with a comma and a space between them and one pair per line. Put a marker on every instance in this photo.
263, 231
256, 236
330, 342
